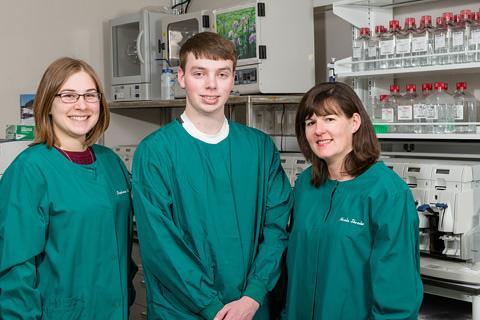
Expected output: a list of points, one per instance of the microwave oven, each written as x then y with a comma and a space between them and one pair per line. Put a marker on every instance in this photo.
136, 61
176, 30
274, 42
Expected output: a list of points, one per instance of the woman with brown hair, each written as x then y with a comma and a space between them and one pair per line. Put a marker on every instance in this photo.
65, 209
353, 250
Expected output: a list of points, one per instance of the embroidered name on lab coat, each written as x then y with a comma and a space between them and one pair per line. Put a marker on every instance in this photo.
121, 192
352, 221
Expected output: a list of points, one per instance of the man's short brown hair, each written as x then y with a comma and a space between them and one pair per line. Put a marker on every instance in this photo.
208, 45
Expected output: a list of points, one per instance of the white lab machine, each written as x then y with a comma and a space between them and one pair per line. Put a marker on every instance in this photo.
293, 164
136, 59
9, 149
451, 206
126, 152
274, 43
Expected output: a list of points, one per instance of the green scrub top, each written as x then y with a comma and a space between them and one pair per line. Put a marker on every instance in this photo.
353, 251
65, 233
211, 220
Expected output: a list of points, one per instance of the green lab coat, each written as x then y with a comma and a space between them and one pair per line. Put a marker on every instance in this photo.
65, 233
211, 220
353, 251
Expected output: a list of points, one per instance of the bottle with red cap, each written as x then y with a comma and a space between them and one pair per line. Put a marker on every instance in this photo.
420, 111
442, 108
440, 45
387, 112
403, 44
466, 109
468, 17
387, 45
423, 42
373, 49
393, 103
450, 24
405, 109
458, 40
360, 47
475, 36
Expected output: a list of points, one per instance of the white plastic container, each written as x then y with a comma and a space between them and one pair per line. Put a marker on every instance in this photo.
168, 84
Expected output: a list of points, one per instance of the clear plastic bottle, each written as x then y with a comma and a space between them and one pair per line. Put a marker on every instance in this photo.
466, 107
405, 108
423, 43
468, 22
360, 47
441, 106
387, 45
389, 112
475, 36
440, 42
457, 43
393, 103
403, 44
373, 49
420, 110
450, 23
167, 84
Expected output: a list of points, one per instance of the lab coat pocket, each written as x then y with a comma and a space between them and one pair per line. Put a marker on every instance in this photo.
60, 308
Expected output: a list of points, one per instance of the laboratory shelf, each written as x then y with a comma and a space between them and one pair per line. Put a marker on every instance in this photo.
343, 72
232, 100
419, 136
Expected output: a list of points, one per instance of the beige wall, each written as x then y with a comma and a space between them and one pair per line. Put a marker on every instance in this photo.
34, 33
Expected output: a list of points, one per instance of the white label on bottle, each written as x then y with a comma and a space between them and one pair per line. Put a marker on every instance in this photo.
386, 47
419, 44
418, 111
372, 52
405, 113
475, 37
387, 114
458, 38
403, 46
440, 41
431, 112
459, 112
357, 53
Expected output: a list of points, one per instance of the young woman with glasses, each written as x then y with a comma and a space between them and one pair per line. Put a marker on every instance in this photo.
65, 209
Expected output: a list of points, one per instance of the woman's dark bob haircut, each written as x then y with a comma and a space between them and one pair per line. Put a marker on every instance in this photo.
340, 99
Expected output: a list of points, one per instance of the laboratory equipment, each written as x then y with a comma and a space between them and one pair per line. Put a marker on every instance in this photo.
274, 43
9, 150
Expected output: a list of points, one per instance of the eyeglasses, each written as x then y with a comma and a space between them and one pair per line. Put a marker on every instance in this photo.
72, 97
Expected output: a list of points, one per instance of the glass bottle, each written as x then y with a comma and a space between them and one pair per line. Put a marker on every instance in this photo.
393, 103
405, 108
458, 40
373, 49
475, 36
387, 45
466, 109
441, 106
423, 43
360, 47
449, 23
440, 44
403, 44
420, 110
389, 112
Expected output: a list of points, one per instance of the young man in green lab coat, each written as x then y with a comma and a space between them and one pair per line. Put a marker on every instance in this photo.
211, 200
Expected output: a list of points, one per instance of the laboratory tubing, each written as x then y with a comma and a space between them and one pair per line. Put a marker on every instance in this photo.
466, 109
405, 109
360, 48
423, 43
403, 43
441, 41
167, 84
387, 45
